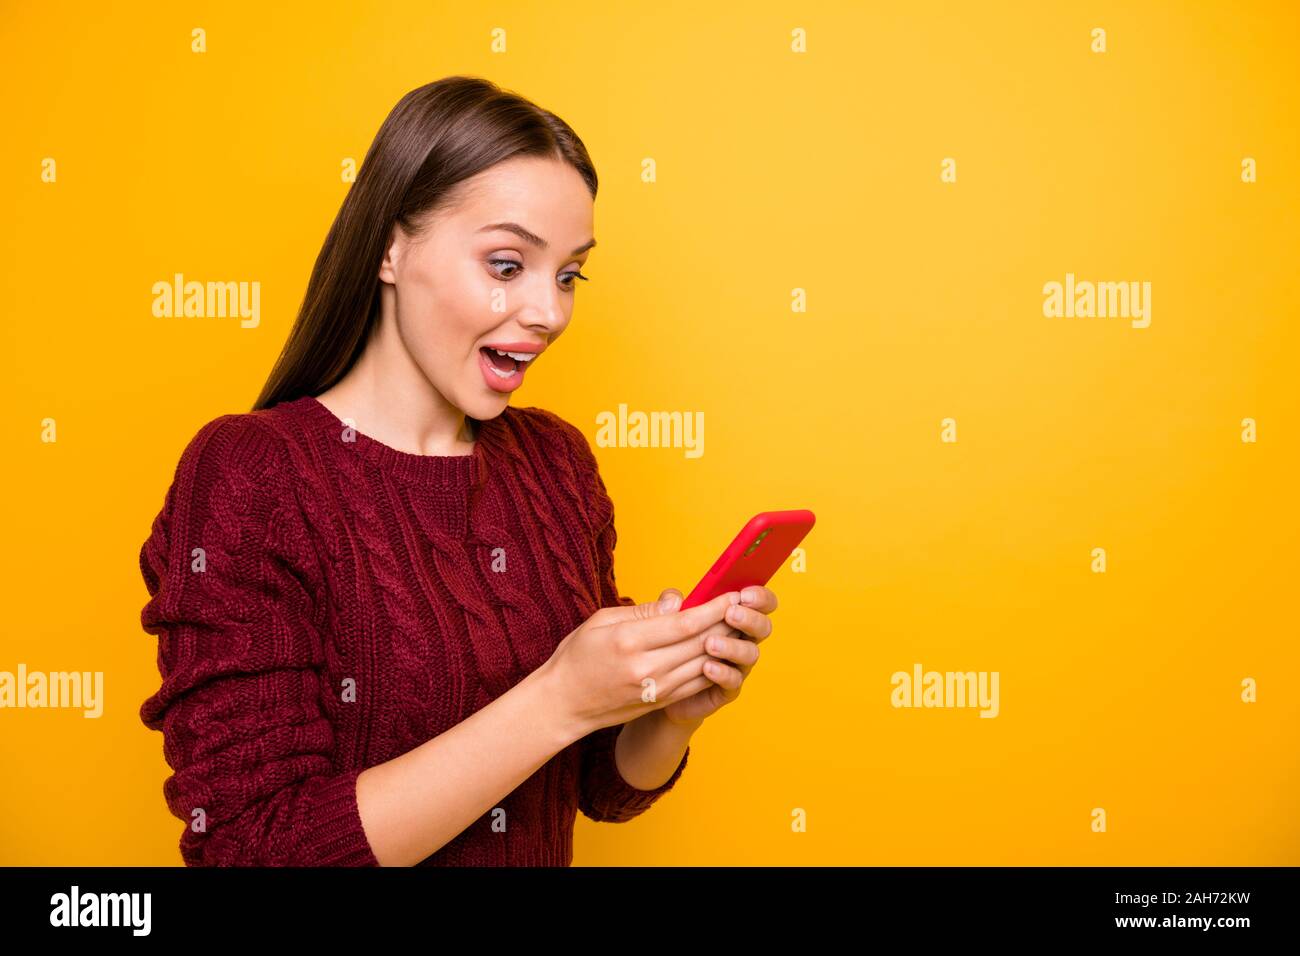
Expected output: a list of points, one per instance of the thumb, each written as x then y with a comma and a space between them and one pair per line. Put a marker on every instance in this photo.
670, 600
667, 602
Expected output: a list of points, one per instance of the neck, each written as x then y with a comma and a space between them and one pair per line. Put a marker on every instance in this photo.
389, 398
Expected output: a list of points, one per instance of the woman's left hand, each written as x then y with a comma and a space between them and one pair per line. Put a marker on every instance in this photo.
732, 656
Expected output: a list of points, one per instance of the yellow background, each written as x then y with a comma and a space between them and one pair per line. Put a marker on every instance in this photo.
776, 171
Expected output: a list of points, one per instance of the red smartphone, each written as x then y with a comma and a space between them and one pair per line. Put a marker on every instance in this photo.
754, 555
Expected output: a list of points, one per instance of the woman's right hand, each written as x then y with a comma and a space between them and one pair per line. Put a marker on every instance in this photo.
627, 660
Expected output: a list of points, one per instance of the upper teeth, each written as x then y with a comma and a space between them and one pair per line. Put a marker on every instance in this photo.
517, 356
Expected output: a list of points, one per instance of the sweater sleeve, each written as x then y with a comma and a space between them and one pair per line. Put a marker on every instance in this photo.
604, 796
232, 581
606, 541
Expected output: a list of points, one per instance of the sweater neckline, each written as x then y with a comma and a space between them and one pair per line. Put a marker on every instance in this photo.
447, 471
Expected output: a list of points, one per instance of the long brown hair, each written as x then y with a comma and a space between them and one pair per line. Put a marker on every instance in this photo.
436, 136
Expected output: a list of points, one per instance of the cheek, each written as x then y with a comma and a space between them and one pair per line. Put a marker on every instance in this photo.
462, 299
443, 326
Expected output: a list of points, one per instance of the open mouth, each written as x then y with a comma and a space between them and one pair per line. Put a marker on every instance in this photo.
506, 364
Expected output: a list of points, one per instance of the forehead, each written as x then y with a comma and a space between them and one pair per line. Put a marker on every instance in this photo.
546, 196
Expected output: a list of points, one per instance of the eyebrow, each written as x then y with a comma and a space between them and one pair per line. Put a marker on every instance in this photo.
531, 237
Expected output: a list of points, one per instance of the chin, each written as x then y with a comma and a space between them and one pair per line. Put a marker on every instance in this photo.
490, 407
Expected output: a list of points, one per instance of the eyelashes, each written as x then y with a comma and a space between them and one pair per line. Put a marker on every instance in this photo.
518, 267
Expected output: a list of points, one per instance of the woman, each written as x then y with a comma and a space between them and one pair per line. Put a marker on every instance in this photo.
389, 628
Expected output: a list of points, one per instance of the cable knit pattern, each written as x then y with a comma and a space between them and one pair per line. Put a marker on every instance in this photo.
324, 603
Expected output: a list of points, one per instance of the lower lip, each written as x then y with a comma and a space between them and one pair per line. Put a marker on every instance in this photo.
495, 381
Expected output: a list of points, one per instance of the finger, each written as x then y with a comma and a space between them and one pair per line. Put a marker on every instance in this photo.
748, 621
665, 658
646, 611
760, 598
660, 629
680, 675
735, 649
617, 614
725, 676
721, 629
673, 597
689, 689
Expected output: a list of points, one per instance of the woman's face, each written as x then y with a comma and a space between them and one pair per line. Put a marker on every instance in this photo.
499, 269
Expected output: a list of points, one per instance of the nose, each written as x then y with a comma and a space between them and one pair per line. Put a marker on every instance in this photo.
546, 313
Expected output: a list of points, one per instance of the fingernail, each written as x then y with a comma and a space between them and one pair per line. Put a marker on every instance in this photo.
734, 597
749, 595
667, 603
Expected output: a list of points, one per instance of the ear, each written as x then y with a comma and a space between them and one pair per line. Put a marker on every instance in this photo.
392, 255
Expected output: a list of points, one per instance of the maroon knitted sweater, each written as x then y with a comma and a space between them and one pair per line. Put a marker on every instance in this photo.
324, 603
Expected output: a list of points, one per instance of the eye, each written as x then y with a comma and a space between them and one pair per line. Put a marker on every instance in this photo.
518, 266
576, 275
505, 262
